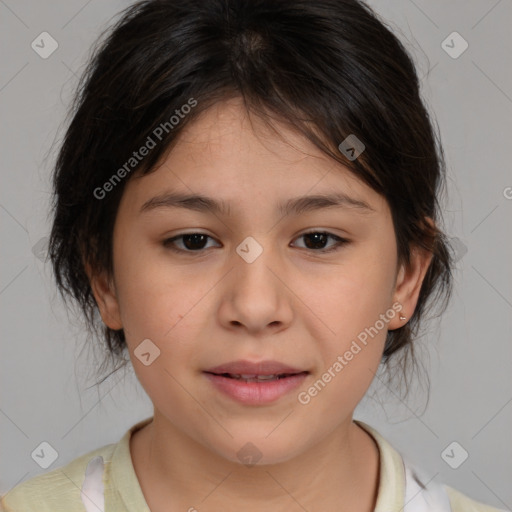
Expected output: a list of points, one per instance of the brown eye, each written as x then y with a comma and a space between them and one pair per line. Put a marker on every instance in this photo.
190, 242
316, 241
196, 242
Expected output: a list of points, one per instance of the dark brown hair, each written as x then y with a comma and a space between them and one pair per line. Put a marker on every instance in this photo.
327, 68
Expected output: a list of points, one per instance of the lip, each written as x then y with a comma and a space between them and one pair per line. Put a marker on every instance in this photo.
249, 368
255, 393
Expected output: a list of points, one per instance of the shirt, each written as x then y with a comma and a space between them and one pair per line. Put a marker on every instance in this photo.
111, 484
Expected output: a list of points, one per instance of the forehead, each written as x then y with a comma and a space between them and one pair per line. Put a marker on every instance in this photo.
229, 130
227, 152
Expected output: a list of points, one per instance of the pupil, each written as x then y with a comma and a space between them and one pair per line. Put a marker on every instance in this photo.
195, 238
315, 236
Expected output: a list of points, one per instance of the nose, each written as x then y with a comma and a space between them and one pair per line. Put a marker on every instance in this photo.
255, 295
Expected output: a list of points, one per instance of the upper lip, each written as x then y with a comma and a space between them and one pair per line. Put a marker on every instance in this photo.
249, 368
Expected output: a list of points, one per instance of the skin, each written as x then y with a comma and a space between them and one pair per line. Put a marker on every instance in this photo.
292, 304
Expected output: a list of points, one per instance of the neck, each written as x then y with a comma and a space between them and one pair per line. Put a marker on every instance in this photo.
339, 474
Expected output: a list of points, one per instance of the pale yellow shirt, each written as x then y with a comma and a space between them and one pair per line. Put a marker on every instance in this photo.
59, 490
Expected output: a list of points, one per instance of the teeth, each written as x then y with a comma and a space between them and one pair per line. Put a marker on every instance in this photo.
255, 378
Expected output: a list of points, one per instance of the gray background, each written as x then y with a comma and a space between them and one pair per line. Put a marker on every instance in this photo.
46, 373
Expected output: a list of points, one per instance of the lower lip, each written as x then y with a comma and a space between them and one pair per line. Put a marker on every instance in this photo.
256, 393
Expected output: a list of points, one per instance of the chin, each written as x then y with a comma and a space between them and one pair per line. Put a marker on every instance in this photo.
260, 450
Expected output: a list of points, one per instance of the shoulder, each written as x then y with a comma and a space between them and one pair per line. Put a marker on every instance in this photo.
56, 490
461, 503
400, 478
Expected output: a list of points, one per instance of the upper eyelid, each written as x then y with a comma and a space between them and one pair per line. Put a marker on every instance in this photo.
325, 231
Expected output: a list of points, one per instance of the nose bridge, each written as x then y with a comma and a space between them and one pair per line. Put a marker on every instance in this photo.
255, 298
255, 259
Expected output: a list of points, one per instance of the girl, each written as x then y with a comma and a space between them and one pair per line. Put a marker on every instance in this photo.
248, 195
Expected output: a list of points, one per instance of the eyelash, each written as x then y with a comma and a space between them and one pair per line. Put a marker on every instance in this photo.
168, 243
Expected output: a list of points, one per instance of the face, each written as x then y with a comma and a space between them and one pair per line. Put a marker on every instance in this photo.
311, 288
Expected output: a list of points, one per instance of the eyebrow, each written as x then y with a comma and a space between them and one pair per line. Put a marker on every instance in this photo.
296, 206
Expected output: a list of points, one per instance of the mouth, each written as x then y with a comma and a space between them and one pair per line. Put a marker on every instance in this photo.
255, 383
256, 377
248, 369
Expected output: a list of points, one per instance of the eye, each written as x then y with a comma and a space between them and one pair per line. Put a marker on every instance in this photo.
193, 242
196, 242
319, 238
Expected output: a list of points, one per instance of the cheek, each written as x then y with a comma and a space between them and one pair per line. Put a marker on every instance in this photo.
347, 322
164, 304
147, 308
351, 349
149, 290
351, 297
